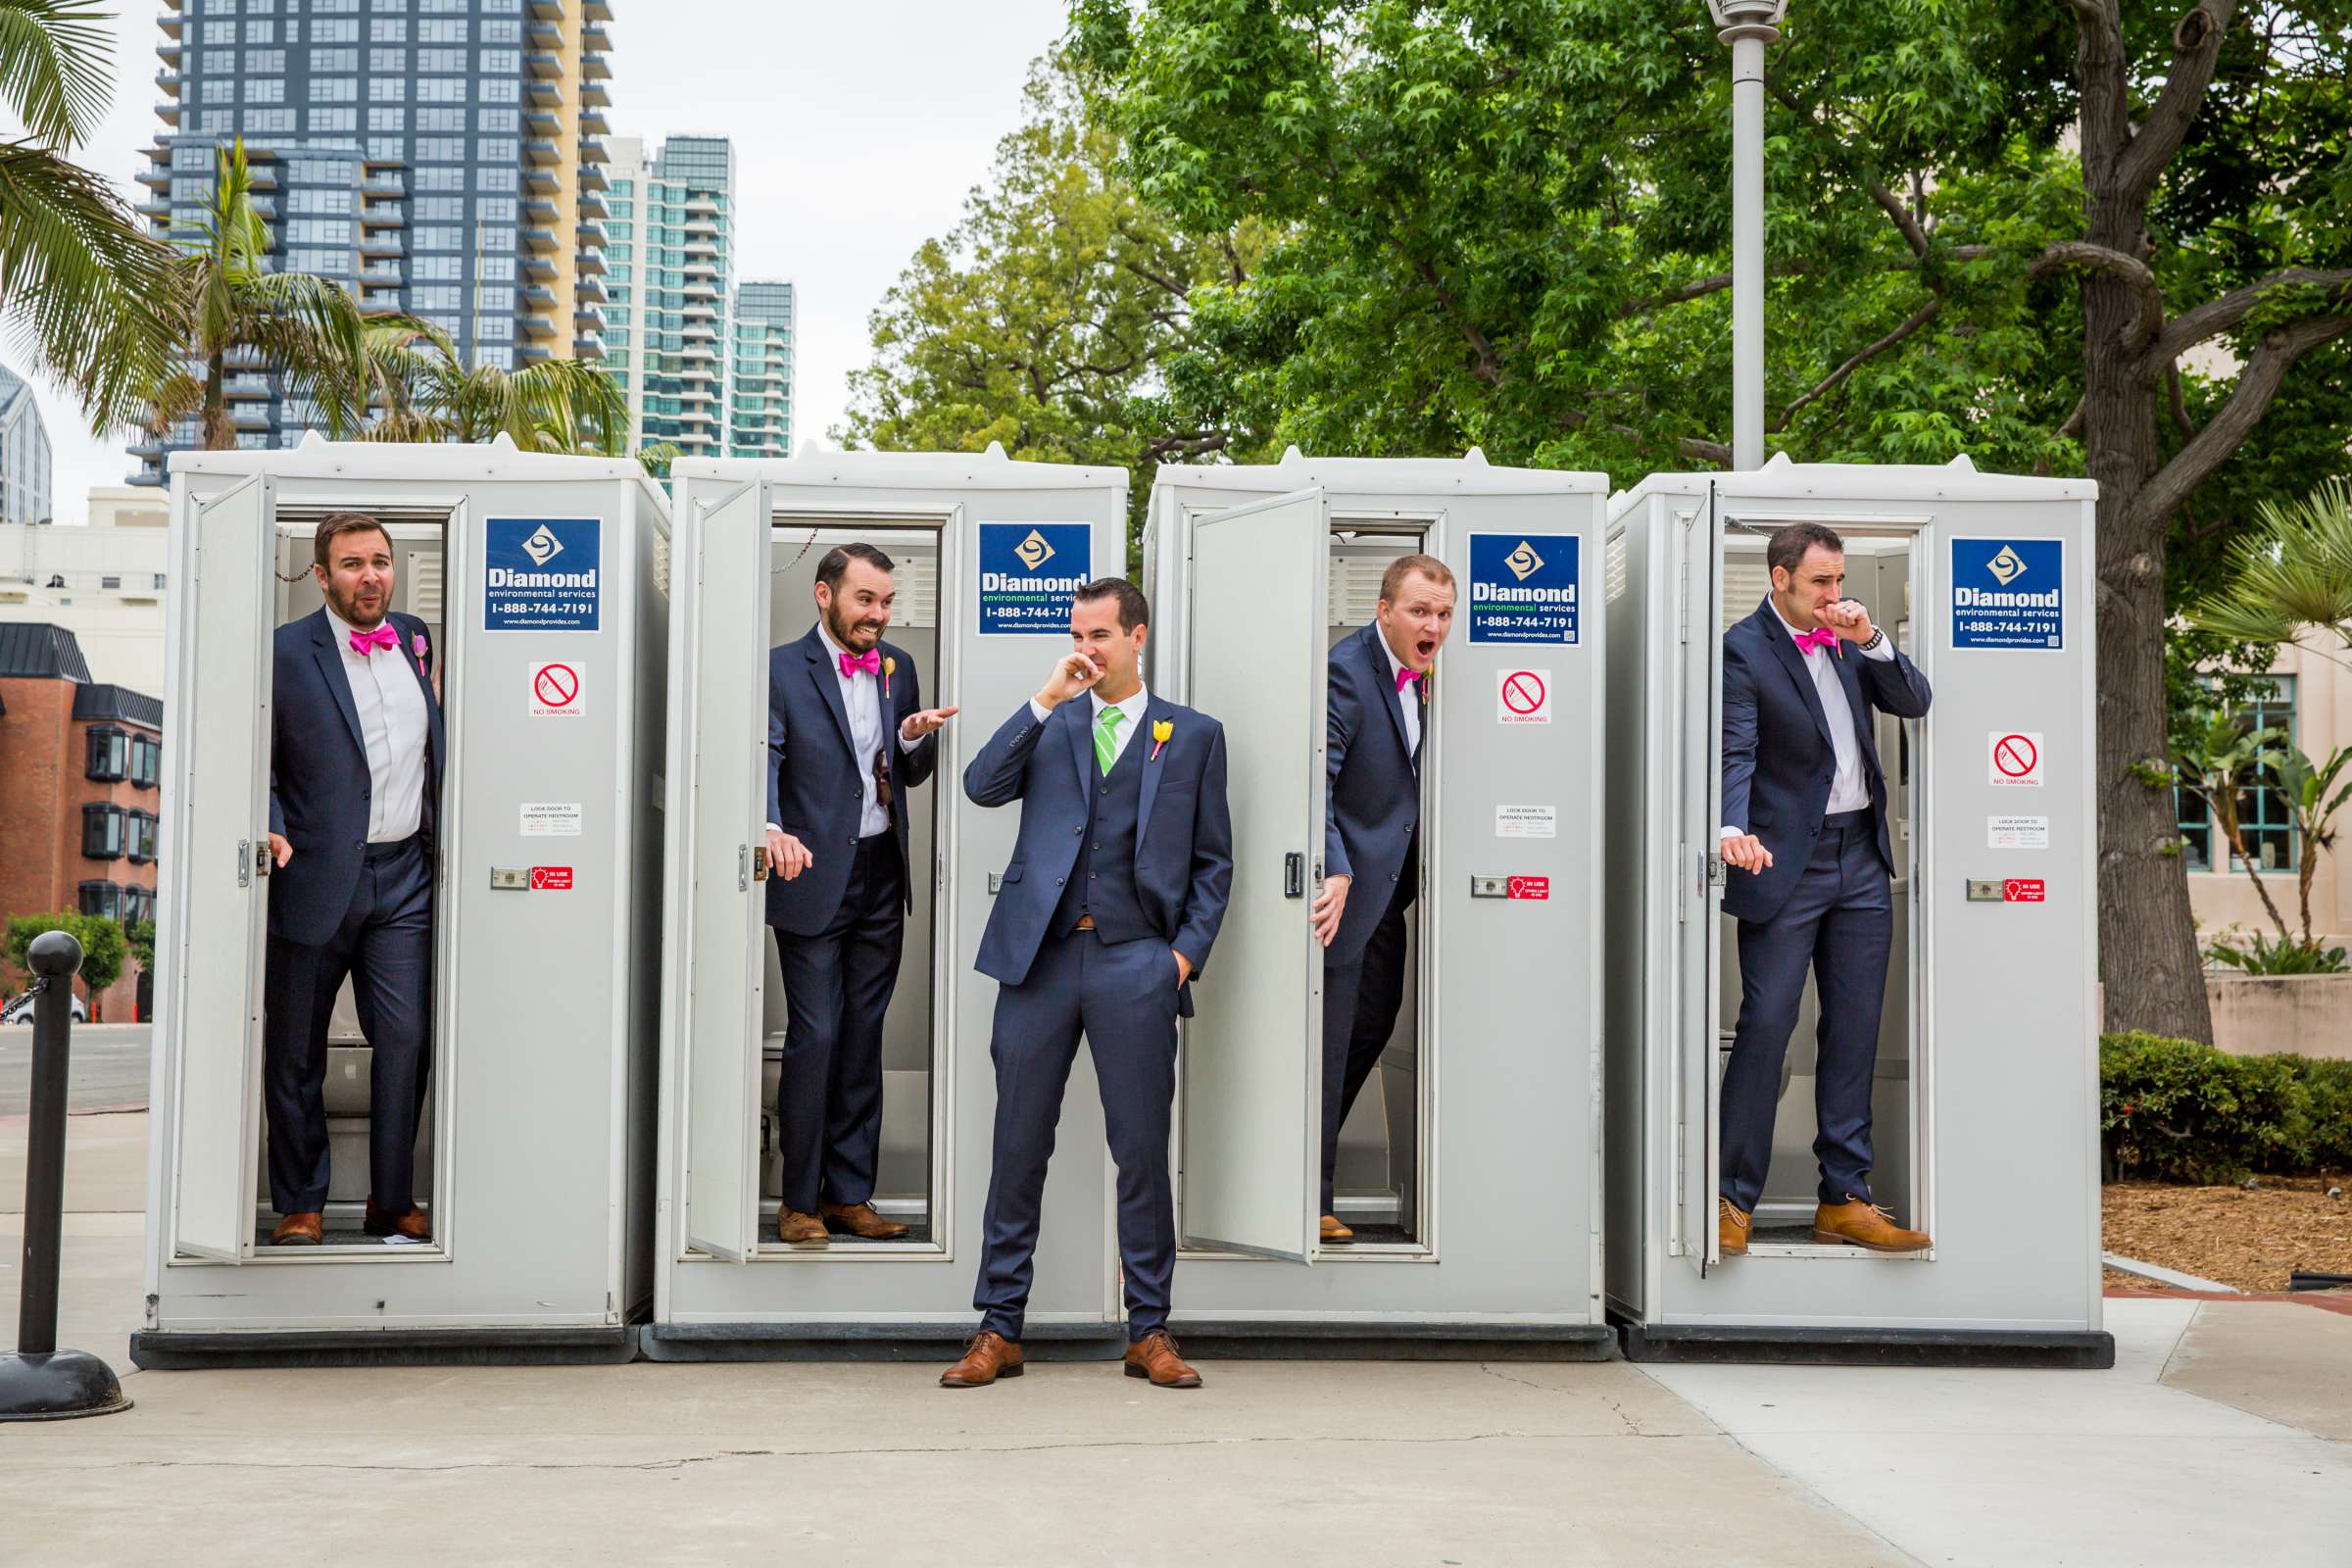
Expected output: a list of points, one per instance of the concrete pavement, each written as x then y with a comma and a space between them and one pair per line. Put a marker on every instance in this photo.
108, 1070
2223, 1434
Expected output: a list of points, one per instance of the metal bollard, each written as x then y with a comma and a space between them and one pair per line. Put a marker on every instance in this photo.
39, 1382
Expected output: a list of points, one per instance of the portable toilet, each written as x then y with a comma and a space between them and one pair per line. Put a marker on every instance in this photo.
540, 580
1985, 1101
1469, 1168
987, 556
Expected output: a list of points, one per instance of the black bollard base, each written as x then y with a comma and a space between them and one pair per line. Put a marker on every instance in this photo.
58, 1387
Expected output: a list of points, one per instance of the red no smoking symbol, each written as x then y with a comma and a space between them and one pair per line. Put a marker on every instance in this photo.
557, 685
2015, 755
1523, 692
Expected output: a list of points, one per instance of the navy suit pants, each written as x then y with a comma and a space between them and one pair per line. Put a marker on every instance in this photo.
385, 946
1838, 924
1122, 996
837, 988
1360, 1001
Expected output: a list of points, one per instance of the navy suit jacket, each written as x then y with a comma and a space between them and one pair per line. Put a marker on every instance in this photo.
318, 780
1776, 757
1183, 841
1373, 797
817, 790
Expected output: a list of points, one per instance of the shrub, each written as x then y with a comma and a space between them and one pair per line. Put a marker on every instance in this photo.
2178, 1112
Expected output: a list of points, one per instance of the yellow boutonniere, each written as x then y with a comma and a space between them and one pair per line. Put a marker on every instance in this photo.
1160, 737
890, 668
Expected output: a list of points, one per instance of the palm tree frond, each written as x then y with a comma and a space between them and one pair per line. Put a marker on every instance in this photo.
56, 68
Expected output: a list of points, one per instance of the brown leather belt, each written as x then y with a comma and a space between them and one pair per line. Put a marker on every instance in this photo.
1086, 922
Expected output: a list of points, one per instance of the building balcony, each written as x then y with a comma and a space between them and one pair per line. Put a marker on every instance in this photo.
539, 268
532, 352
155, 207
590, 289
242, 388
592, 123
383, 217
249, 417
541, 182
595, 40
544, 64
593, 209
698, 371
592, 150
264, 206
594, 95
170, 49
596, 11
168, 110
170, 21
548, 10
547, 91
592, 178
541, 240
537, 327
168, 80
381, 245
540, 152
586, 318
379, 275
545, 35
539, 297
383, 185
538, 210
374, 160
588, 346
595, 68
156, 176
259, 175
592, 234
590, 262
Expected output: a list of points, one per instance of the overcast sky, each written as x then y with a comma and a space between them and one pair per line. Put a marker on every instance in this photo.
857, 130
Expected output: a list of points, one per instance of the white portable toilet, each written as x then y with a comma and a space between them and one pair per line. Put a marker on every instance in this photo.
1470, 1166
988, 554
535, 1154
1986, 1100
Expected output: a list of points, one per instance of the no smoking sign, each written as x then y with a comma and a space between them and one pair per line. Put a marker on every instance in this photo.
2016, 758
1523, 695
555, 691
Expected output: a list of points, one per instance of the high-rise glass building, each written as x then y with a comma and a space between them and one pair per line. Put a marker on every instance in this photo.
760, 372
672, 255
440, 157
24, 453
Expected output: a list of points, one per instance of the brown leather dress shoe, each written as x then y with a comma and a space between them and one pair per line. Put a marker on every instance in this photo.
1731, 1229
860, 1220
414, 1225
1335, 1234
1856, 1223
1155, 1357
301, 1228
988, 1356
796, 1229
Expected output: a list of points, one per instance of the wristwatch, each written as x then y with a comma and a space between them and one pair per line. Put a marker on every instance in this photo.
1878, 635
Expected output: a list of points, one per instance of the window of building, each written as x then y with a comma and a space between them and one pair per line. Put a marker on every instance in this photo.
220, 33
388, 30
380, 119
102, 899
501, 32
335, 89
439, 239
496, 269
442, 178
502, 90
188, 156
221, 61
441, 296
495, 208
333, 60
334, 119
331, 263
315, 199
2263, 817
441, 32
221, 120
387, 91
335, 31
274, 122
264, 90
436, 269
222, 91
502, 60
102, 832
496, 120
440, 120
500, 150
318, 231
494, 328
139, 837
260, 32
442, 90
440, 209
146, 751
441, 60
499, 354
109, 757
440, 149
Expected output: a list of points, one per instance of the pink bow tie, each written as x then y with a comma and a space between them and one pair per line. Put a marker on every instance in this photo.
1406, 678
368, 642
1818, 638
870, 661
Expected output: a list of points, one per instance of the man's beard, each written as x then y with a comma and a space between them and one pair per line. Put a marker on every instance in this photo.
349, 609
843, 632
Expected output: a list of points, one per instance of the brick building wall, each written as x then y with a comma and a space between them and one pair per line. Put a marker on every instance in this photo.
55, 854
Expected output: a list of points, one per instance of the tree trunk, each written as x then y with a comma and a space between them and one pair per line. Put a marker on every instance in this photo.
220, 436
2148, 957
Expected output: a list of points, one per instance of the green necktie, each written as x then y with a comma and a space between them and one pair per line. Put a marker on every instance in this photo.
1107, 736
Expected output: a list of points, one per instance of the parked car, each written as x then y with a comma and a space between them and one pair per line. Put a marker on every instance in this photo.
19, 1009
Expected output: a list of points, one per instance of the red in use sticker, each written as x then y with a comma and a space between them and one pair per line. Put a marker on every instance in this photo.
550, 879
1530, 887
2022, 890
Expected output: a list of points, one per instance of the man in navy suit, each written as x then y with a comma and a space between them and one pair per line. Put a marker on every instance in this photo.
1805, 812
355, 782
837, 829
1380, 678
1117, 884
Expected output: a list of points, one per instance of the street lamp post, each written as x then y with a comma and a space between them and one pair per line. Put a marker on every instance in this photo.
1747, 25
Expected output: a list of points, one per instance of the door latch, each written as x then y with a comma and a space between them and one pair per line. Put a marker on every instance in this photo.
759, 863
1711, 866
1294, 875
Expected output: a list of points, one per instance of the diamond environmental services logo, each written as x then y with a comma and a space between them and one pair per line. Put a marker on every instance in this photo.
2006, 567
1524, 562
543, 546
1033, 551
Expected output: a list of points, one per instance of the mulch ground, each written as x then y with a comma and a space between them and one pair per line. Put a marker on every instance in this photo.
2252, 1240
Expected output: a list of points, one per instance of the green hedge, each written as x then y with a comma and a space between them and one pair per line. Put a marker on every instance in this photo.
2173, 1110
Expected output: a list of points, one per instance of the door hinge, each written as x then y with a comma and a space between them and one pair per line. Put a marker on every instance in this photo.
245, 863
743, 868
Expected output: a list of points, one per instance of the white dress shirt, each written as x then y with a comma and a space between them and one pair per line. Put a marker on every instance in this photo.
862, 699
1134, 708
1848, 790
1407, 698
393, 723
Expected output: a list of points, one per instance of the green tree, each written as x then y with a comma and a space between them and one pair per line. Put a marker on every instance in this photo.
1503, 223
1049, 318
100, 939
79, 277
422, 391
139, 937
227, 304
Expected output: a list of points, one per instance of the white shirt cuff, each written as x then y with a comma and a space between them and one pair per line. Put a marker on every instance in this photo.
1041, 714
904, 745
774, 828
1885, 650
1727, 833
